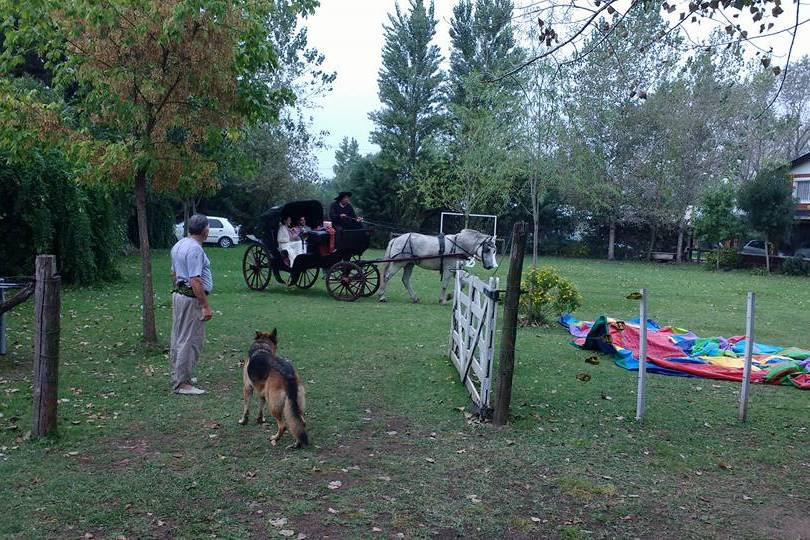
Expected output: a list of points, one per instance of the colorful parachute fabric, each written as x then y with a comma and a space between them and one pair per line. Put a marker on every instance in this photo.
675, 351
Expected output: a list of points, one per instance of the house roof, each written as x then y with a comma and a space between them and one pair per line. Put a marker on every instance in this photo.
800, 160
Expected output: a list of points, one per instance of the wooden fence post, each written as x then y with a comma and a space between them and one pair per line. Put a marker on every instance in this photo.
506, 361
46, 346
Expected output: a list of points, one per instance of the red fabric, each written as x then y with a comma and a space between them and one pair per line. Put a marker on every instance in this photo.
660, 349
802, 381
325, 250
659, 346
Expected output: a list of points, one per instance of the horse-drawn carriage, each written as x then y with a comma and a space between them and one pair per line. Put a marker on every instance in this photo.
336, 253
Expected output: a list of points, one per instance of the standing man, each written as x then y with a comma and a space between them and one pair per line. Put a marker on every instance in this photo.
341, 213
192, 279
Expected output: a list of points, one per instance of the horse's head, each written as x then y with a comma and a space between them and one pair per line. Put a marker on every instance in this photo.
481, 245
487, 253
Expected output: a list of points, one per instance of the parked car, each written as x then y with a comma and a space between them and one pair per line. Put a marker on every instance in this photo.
804, 253
220, 231
757, 247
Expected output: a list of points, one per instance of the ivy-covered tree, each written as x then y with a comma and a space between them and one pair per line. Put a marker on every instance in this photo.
161, 85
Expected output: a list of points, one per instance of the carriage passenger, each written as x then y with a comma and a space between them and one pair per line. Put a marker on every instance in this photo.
289, 241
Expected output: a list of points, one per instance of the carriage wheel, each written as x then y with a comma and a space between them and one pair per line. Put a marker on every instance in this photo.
256, 267
345, 281
307, 278
372, 279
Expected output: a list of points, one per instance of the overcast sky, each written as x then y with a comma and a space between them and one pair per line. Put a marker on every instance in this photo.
350, 34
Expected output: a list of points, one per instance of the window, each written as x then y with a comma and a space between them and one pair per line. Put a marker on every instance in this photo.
802, 190
214, 224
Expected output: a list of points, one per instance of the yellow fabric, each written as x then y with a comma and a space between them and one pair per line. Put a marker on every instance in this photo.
729, 362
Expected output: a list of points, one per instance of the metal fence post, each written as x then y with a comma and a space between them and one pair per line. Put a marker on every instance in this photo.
749, 351
641, 394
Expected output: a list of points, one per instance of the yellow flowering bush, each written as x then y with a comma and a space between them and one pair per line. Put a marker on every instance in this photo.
546, 295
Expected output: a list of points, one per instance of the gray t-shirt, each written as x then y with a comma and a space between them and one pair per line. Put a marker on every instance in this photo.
189, 260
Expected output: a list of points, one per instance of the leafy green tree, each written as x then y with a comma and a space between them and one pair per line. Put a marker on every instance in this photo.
277, 167
346, 155
605, 88
716, 219
409, 87
43, 210
162, 85
768, 203
480, 162
483, 42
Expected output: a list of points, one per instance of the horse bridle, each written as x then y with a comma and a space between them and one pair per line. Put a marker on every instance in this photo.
486, 241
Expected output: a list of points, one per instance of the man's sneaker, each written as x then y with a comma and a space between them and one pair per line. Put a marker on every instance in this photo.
193, 391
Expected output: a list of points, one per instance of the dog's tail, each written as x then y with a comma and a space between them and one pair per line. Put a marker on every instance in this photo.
293, 407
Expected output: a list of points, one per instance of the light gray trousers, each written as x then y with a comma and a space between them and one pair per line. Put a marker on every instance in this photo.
188, 333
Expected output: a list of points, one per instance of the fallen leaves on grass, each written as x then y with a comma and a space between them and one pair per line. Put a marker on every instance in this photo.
212, 424
593, 360
583, 376
278, 522
335, 484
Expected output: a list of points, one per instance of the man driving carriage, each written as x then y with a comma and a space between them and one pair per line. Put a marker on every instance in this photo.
342, 214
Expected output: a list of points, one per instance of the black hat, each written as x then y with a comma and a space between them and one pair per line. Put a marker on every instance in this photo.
342, 194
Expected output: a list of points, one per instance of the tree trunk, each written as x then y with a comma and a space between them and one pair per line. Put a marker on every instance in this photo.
185, 216
535, 243
678, 257
767, 256
149, 329
612, 239
653, 233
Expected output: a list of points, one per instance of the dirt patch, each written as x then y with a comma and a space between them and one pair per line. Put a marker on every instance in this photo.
790, 522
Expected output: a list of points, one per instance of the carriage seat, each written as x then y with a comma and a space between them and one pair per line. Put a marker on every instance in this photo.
321, 241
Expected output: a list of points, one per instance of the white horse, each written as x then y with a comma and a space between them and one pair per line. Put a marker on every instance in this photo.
423, 250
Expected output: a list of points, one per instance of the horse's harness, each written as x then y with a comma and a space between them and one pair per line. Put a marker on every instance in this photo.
442, 246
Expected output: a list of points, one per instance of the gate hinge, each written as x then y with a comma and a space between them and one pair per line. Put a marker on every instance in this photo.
493, 294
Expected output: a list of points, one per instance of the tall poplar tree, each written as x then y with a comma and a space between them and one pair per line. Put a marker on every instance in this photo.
409, 87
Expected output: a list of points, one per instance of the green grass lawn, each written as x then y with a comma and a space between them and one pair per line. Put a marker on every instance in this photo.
133, 460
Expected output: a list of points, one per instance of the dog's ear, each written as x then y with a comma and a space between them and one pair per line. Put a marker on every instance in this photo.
258, 334
274, 336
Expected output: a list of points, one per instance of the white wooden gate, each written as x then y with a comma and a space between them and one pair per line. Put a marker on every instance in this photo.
472, 334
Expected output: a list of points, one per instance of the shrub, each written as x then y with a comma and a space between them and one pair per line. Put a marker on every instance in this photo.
577, 250
795, 266
547, 295
729, 259
43, 210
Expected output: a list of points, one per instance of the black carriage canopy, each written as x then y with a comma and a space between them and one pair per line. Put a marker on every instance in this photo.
311, 210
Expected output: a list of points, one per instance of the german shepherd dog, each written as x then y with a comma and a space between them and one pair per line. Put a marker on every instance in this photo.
277, 384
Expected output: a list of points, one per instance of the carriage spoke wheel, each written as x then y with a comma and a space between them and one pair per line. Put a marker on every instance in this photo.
307, 278
256, 267
345, 281
371, 280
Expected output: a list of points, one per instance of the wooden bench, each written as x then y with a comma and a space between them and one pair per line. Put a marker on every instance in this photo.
663, 256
